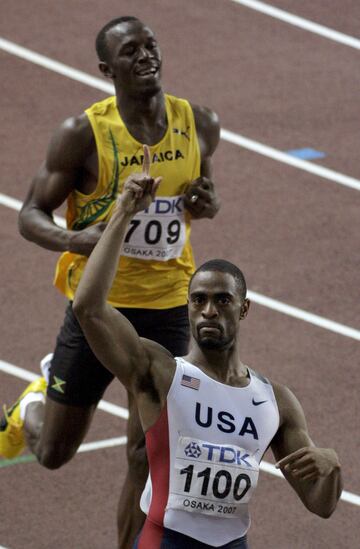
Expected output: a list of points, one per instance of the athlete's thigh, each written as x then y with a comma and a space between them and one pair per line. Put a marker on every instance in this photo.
65, 425
77, 378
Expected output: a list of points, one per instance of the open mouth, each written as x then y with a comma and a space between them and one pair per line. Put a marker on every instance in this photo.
147, 71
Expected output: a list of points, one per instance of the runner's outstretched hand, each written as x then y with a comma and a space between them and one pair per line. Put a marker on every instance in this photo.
139, 188
310, 463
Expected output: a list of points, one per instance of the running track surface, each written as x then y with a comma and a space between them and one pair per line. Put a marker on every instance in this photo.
295, 235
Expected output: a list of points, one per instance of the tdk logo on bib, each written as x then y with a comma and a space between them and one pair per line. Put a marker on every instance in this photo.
217, 453
192, 450
166, 206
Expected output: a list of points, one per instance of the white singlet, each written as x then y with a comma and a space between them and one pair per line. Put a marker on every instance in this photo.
204, 453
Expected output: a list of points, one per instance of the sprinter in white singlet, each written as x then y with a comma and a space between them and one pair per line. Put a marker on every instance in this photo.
208, 417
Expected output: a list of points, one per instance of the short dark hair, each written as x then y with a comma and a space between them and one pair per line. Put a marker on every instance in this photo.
223, 266
100, 42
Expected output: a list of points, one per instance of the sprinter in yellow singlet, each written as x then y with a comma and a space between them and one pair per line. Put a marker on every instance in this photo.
88, 161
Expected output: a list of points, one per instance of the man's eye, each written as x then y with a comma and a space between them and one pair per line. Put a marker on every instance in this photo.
197, 300
224, 301
130, 50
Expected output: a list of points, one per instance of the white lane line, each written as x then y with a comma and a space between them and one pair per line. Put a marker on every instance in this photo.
226, 135
285, 158
301, 22
113, 409
300, 314
85, 447
101, 444
260, 299
55, 66
10, 202
118, 411
15, 204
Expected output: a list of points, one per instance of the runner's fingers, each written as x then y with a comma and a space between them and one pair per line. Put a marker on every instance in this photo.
155, 186
136, 188
198, 204
199, 198
310, 476
303, 461
199, 191
148, 185
291, 458
203, 183
301, 472
147, 160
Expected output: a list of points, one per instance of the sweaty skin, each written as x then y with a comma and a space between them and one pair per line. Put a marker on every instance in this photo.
215, 310
132, 61
71, 163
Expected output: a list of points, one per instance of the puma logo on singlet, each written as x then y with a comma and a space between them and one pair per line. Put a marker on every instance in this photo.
184, 133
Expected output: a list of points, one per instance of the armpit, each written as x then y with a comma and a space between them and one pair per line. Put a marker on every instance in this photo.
145, 384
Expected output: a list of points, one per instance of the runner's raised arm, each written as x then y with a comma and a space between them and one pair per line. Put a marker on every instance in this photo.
110, 335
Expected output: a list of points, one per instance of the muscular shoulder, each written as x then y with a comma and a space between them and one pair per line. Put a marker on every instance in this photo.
290, 409
71, 143
207, 127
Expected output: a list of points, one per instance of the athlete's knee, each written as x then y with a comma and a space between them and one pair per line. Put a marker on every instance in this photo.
53, 456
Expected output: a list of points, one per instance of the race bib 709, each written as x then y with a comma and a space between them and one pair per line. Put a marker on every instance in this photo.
157, 233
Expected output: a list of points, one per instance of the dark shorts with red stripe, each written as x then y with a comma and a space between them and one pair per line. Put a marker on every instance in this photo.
153, 536
85, 378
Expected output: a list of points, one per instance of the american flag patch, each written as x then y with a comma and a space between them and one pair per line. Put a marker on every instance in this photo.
192, 382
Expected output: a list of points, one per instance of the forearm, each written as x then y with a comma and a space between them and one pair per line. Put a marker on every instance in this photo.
322, 495
138, 193
39, 227
102, 264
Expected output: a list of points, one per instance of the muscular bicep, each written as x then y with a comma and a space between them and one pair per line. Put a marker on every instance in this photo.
49, 189
292, 435
64, 162
208, 132
293, 432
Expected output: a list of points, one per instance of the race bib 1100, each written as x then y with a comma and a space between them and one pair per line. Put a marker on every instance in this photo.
211, 478
157, 233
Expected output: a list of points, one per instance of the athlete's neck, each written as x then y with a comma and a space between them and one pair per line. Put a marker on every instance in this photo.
142, 109
224, 365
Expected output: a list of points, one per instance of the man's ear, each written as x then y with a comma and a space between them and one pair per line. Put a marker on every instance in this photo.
105, 69
244, 309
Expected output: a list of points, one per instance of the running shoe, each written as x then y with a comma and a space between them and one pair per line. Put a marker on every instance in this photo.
12, 439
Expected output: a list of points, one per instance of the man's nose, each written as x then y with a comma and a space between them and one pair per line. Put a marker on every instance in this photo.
209, 310
144, 54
